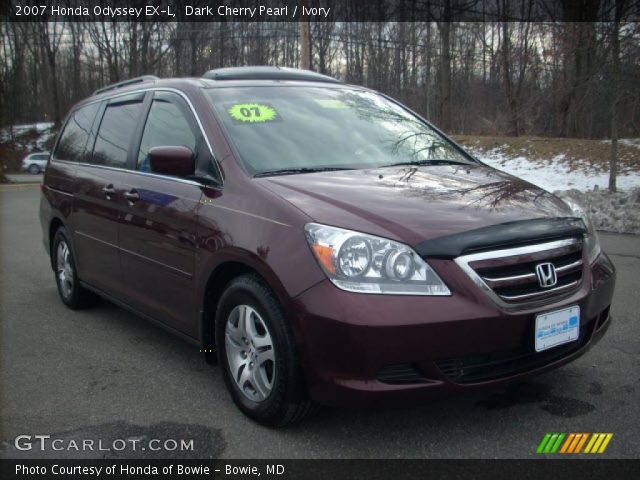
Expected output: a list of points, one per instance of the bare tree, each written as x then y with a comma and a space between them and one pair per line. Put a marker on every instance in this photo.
444, 103
615, 94
305, 41
521, 77
512, 91
106, 36
50, 34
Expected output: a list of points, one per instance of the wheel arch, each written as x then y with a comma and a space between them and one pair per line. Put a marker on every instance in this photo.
240, 263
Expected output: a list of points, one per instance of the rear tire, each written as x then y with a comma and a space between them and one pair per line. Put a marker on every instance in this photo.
257, 354
72, 294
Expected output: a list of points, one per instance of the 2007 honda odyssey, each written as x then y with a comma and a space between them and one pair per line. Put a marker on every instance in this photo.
330, 245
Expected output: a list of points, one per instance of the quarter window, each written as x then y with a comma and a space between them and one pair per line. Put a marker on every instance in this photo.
73, 140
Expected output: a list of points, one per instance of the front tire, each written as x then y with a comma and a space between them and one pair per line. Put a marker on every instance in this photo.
34, 169
72, 294
257, 354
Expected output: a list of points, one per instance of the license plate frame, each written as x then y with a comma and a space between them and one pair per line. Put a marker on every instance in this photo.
557, 328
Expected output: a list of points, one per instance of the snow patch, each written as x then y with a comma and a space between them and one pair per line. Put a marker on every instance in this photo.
630, 142
44, 133
554, 174
612, 212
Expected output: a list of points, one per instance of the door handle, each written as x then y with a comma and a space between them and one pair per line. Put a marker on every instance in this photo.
132, 196
108, 191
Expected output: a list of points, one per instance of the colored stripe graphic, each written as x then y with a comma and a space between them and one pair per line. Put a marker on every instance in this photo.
605, 443
599, 443
543, 443
551, 443
573, 443
555, 447
593, 439
596, 445
581, 443
567, 443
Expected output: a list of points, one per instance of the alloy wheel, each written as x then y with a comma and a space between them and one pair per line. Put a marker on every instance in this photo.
250, 353
64, 269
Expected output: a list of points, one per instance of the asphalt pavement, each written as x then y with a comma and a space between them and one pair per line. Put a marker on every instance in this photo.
24, 177
105, 374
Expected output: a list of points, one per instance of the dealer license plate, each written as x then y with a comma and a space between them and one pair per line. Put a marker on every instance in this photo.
556, 328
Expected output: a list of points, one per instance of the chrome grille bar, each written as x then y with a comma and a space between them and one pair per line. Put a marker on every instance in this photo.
542, 294
508, 275
495, 282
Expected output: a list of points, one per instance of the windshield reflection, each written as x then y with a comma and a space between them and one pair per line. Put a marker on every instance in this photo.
300, 129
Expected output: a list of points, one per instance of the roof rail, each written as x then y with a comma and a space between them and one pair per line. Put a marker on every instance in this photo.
267, 73
124, 83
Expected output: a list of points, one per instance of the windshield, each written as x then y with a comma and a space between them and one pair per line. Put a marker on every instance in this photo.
289, 129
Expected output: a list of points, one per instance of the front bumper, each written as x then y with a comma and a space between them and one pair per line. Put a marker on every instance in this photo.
360, 349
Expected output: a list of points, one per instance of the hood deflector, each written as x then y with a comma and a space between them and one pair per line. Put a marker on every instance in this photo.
494, 237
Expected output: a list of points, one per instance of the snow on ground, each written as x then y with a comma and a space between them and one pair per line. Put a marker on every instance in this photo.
5, 133
34, 143
611, 212
631, 142
617, 212
554, 174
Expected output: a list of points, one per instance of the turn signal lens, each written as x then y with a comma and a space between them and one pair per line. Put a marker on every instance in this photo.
325, 257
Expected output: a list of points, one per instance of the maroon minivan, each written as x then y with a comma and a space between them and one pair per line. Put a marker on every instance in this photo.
330, 245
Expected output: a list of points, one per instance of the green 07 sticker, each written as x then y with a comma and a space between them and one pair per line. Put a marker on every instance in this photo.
252, 113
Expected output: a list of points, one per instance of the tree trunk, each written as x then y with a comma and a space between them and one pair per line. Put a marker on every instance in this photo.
615, 82
305, 42
508, 87
445, 73
49, 44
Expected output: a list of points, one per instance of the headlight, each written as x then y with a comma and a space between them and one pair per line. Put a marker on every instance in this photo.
591, 241
358, 262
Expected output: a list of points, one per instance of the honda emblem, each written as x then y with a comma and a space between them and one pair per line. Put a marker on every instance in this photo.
546, 273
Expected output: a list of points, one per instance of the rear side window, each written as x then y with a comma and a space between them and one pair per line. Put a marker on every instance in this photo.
166, 125
73, 140
113, 141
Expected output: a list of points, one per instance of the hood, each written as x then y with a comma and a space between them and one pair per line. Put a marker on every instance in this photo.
413, 204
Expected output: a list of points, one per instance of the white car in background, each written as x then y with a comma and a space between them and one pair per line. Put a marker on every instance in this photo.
35, 163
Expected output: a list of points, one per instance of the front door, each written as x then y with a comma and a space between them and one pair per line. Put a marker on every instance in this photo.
158, 230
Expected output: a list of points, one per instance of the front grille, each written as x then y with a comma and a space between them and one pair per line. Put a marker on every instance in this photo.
511, 273
493, 366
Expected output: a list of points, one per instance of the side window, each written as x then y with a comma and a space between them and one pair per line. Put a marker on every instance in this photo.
73, 140
114, 136
167, 125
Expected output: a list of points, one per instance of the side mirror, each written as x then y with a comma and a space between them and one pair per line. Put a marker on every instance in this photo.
176, 161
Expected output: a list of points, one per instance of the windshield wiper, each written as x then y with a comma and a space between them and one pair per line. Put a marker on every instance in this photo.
294, 171
428, 162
